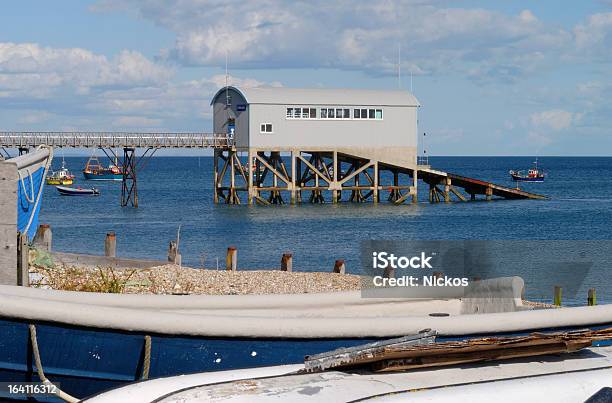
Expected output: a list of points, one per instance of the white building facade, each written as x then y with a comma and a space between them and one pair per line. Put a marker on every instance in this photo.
369, 125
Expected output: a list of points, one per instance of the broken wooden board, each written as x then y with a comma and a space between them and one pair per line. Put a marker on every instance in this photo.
414, 354
345, 355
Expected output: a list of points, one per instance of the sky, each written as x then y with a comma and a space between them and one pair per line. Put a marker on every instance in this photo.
493, 77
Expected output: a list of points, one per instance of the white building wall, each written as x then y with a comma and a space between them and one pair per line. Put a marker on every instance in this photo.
397, 128
392, 139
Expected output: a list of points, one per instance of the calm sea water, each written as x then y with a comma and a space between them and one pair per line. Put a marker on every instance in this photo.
177, 190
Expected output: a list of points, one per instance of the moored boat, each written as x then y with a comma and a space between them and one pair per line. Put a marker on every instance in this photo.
60, 177
94, 170
31, 171
78, 191
532, 175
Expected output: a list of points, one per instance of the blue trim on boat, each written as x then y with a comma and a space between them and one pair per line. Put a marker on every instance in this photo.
26, 209
86, 361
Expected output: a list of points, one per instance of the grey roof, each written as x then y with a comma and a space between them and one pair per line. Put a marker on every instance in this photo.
324, 96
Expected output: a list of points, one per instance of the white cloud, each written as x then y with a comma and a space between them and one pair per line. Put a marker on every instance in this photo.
353, 35
32, 71
555, 119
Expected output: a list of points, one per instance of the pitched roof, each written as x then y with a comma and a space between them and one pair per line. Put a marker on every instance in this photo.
323, 96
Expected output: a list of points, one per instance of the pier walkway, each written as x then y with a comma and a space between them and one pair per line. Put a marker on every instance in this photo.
115, 140
358, 174
471, 186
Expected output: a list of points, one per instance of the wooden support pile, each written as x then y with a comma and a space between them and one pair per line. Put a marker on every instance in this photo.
407, 356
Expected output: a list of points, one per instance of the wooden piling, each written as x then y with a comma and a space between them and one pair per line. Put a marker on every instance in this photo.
339, 266
558, 296
43, 238
173, 253
110, 244
231, 260
489, 193
287, 262
437, 274
591, 297
23, 264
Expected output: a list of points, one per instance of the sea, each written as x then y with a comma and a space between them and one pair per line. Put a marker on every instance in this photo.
176, 192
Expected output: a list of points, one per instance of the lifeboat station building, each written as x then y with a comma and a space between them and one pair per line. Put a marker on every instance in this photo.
315, 145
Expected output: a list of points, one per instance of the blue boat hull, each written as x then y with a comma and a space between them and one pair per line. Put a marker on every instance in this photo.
86, 361
103, 177
89, 361
25, 209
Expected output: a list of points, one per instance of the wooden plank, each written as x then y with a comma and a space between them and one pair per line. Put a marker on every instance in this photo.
314, 169
274, 171
456, 193
356, 172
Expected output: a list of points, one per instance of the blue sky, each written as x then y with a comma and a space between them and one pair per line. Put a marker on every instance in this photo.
494, 78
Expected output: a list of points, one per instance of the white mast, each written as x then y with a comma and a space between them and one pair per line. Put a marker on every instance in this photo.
226, 80
399, 66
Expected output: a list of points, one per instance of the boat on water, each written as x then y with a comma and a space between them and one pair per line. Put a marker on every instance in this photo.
94, 170
532, 175
90, 342
78, 191
60, 177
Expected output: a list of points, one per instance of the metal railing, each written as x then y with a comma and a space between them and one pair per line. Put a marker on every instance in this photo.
115, 139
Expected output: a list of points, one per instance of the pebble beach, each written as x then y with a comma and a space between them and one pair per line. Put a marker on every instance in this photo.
173, 279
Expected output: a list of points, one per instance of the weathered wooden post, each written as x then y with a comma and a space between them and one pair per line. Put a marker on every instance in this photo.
23, 256
43, 238
591, 298
489, 193
437, 274
558, 296
9, 244
110, 244
173, 253
447, 185
339, 266
231, 260
287, 262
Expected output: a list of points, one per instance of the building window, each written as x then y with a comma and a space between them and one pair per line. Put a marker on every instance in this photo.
364, 114
357, 113
301, 113
330, 113
323, 113
370, 113
265, 128
378, 114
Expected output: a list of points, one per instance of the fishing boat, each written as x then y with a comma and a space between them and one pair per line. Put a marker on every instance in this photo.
560, 367
533, 175
31, 169
95, 171
60, 177
90, 342
78, 191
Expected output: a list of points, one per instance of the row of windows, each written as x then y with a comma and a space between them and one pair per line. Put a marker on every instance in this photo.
334, 113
